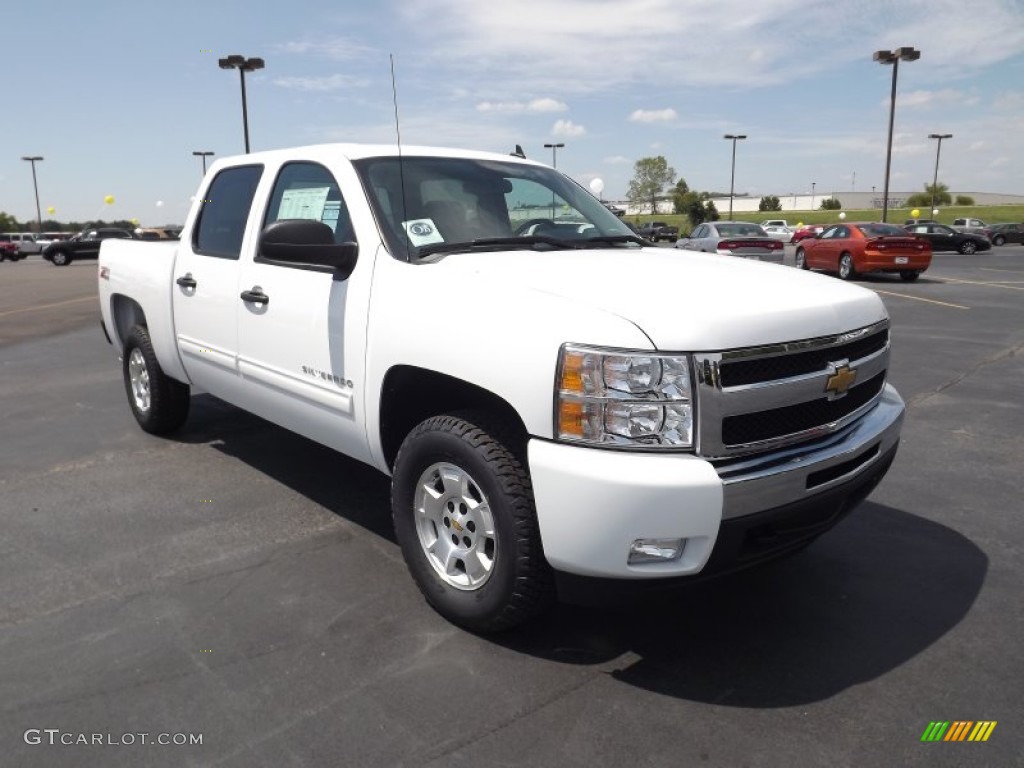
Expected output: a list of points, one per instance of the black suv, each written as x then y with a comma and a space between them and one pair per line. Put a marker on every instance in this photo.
84, 245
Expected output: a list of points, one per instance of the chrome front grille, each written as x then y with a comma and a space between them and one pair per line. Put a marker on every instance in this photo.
762, 398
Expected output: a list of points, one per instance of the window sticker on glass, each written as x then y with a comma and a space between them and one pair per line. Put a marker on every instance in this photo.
304, 203
422, 232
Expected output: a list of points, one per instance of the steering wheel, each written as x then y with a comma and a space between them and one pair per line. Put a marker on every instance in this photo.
530, 223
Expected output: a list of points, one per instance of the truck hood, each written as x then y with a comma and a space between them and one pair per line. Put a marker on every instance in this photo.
683, 301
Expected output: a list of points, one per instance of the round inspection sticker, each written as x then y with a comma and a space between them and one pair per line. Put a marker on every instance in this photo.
422, 232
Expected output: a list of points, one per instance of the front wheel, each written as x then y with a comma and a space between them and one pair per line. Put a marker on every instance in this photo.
909, 275
968, 247
60, 259
998, 240
846, 270
158, 402
464, 516
801, 258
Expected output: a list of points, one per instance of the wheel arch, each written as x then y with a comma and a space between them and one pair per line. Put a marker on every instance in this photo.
125, 313
410, 395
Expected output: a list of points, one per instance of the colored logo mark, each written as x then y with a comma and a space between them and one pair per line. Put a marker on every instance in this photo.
958, 730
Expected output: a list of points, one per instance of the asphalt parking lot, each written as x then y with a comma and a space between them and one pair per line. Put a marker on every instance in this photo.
241, 583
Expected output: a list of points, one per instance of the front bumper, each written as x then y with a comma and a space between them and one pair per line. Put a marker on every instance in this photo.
593, 503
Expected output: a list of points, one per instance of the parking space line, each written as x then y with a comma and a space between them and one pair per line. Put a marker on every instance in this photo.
978, 282
918, 298
994, 269
47, 306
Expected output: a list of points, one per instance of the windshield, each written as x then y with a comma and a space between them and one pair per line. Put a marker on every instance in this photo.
882, 230
457, 203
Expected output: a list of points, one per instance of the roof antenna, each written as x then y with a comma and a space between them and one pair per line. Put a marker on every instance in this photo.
401, 165
519, 152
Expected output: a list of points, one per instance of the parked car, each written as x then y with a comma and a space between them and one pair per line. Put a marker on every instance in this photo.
24, 242
658, 230
943, 238
974, 226
808, 230
156, 233
733, 238
919, 221
52, 237
779, 232
774, 223
84, 245
1007, 233
9, 251
850, 248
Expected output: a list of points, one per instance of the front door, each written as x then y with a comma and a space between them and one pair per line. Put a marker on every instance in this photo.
300, 355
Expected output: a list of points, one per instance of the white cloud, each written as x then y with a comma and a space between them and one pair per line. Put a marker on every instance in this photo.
335, 48
567, 128
977, 146
616, 160
326, 83
518, 107
653, 115
944, 97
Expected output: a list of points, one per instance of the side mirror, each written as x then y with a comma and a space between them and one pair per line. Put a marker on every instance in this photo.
307, 243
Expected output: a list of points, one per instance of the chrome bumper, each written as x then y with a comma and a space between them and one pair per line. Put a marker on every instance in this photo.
798, 473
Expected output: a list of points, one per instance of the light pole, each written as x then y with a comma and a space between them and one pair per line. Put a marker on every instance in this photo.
734, 137
35, 185
906, 53
243, 65
938, 149
812, 195
554, 152
554, 164
204, 155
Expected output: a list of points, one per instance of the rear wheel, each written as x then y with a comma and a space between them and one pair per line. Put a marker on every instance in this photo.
846, 270
61, 258
464, 516
998, 240
909, 275
158, 402
801, 258
968, 247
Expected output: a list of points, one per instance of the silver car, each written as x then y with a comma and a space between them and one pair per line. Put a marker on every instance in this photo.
734, 238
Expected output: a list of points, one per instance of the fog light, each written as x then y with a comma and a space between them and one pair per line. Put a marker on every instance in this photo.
655, 551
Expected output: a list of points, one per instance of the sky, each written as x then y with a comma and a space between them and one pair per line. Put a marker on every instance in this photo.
116, 95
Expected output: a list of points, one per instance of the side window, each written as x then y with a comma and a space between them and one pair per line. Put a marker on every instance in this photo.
829, 233
225, 211
702, 231
307, 190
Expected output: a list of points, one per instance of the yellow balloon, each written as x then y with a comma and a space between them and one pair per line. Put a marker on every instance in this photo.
915, 213
109, 199
135, 222
51, 210
799, 223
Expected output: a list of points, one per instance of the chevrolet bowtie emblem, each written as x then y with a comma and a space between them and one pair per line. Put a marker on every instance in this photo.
841, 378
456, 526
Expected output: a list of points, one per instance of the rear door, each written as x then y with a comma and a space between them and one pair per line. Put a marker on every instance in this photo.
205, 292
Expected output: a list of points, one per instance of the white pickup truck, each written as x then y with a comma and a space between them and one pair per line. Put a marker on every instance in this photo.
559, 406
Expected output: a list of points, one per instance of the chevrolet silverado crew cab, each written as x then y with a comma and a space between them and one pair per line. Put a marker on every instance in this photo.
559, 407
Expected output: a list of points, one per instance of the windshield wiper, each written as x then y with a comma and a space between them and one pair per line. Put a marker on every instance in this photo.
616, 239
494, 243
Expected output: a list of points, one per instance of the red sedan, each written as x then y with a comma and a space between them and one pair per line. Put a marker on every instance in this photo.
808, 230
850, 248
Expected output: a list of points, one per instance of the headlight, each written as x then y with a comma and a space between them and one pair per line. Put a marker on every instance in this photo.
624, 399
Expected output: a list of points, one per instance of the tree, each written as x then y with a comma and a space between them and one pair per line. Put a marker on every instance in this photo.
680, 196
941, 196
831, 204
711, 213
650, 177
769, 203
964, 200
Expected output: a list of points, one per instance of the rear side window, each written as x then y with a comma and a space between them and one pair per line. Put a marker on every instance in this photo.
225, 212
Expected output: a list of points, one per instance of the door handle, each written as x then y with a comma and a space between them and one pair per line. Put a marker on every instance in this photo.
255, 295
187, 281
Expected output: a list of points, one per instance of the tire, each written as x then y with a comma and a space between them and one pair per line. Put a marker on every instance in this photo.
60, 258
909, 275
472, 486
801, 258
998, 240
2, 257
846, 270
967, 247
159, 403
